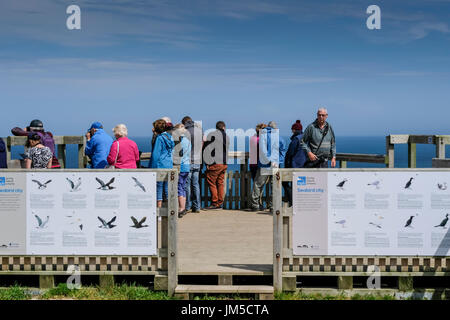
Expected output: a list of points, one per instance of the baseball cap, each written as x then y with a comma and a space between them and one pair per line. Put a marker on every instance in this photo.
96, 125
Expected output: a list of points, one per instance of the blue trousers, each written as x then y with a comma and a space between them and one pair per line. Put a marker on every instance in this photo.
192, 188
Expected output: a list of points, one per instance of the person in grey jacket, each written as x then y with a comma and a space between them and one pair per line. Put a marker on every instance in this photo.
319, 150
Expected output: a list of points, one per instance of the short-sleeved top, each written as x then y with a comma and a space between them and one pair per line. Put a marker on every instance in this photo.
39, 157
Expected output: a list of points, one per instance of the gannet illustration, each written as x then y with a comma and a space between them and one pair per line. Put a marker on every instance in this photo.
139, 224
376, 184
138, 184
408, 184
105, 186
443, 222
409, 222
42, 185
376, 225
340, 185
442, 186
341, 222
41, 224
74, 186
107, 225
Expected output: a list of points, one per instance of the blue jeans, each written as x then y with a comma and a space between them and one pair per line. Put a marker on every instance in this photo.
193, 199
160, 185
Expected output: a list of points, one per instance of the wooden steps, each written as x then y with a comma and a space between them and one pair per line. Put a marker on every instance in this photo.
188, 291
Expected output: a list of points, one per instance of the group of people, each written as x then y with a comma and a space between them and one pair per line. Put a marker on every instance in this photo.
184, 145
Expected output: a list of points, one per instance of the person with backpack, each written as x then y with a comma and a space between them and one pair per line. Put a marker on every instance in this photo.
36, 126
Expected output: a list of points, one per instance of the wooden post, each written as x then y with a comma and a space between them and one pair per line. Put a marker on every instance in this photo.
412, 155
389, 152
81, 148
343, 164
172, 232
62, 155
8, 149
277, 231
440, 147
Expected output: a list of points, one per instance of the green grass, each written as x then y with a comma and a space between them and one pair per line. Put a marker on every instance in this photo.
317, 296
117, 292
14, 293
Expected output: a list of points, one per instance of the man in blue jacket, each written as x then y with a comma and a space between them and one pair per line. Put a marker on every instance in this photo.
272, 150
98, 145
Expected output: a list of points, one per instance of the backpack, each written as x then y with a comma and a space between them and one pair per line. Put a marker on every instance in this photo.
47, 140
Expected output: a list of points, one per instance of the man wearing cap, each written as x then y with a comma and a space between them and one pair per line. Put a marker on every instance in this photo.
98, 146
36, 126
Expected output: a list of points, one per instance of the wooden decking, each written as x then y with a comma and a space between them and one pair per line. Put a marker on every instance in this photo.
225, 242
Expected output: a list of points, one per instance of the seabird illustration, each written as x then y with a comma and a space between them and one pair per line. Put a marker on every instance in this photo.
341, 222
3, 246
105, 186
107, 225
42, 185
442, 186
379, 217
443, 222
408, 184
341, 184
376, 184
138, 184
408, 223
139, 224
376, 225
74, 186
41, 224
77, 221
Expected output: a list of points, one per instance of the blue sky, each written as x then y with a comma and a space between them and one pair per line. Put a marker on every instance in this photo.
243, 62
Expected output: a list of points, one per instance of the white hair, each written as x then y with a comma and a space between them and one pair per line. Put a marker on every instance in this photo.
166, 119
120, 130
272, 124
322, 109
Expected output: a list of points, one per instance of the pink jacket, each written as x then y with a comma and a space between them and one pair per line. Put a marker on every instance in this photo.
128, 154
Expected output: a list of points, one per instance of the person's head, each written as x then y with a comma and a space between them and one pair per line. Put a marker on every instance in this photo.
259, 127
186, 120
297, 126
36, 125
169, 125
94, 127
33, 140
179, 127
220, 125
120, 131
322, 115
159, 126
272, 124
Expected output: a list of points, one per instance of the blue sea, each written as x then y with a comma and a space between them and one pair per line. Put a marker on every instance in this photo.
366, 145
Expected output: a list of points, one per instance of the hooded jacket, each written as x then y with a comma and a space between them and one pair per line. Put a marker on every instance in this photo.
162, 152
273, 151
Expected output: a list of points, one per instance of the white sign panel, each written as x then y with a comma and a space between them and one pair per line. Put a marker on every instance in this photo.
371, 213
111, 213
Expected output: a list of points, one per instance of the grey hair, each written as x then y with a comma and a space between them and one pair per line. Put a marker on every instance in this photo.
322, 109
120, 130
272, 124
166, 119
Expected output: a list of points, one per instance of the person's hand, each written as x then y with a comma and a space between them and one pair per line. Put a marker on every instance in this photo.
333, 162
312, 156
88, 136
274, 165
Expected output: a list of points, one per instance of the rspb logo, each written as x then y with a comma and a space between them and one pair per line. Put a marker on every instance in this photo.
2, 181
301, 181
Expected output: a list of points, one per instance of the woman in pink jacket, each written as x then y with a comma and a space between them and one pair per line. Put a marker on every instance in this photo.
124, 153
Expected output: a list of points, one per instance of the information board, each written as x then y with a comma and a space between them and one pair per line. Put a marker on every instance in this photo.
79, 213
371, 213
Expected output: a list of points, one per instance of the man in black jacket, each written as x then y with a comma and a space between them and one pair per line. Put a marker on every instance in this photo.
3, 163
215, 155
